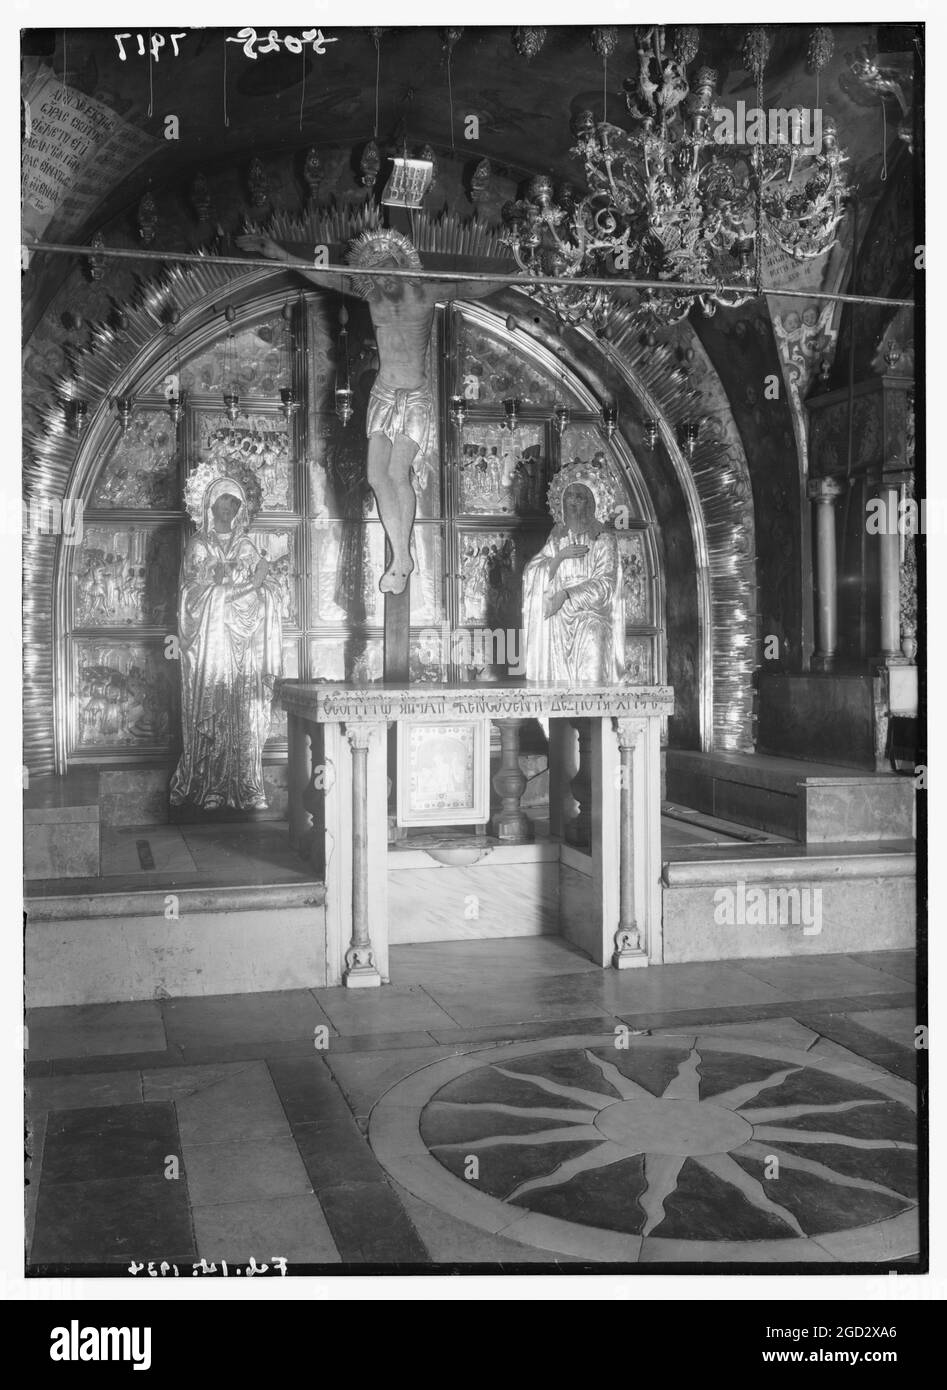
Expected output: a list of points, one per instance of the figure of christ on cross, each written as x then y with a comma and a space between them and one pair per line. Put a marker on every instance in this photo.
401, 408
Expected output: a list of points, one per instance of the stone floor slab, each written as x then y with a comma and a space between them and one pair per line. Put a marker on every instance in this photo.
780, 1030
897, 1025
82, 1091
108, 1222
393, 1008
244, 1171
86, 1029
819, 975
98, 1143
605, 994
902, 964
292, 1227
221, 1019
539, 1028
145, 850
308, 1092
217, 1104
689, 986
256, 853
365, 1076
369, 1225
835, 1052
120, 1061
336, 1152
480, 964
374, 1042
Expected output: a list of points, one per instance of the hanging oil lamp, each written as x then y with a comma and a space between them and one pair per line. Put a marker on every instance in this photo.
177, 401
78, 414
124, 406
609, 420
175, 397
561, 414
369, 164
343, 403
287, 393
458, 411
690, 435
96, 263
650, 426
511, 409
343, 390
231, 392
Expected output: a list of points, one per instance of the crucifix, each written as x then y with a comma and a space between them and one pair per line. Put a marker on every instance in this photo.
401, 408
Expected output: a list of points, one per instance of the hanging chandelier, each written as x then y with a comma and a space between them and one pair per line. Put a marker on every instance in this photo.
690, 192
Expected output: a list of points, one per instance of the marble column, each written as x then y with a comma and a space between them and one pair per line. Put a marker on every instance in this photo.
889, 570
824, 491
629, 949
360, 968
511, 823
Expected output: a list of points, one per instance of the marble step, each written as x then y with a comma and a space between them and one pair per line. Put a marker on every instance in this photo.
61, 841
810, 802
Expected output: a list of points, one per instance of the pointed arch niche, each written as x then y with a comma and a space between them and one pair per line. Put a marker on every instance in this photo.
99, 688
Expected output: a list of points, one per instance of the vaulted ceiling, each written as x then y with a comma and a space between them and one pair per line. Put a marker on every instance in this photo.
283, 101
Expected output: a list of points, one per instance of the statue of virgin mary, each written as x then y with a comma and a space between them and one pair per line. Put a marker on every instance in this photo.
573, 606
230, 637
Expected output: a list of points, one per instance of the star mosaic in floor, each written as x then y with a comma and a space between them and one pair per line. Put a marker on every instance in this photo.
655, 1148
510, 1104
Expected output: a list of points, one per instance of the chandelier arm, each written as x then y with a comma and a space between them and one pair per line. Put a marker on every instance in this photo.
517, 256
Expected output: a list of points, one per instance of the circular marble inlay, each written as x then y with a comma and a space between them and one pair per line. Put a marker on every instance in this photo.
673, 1127
672, 1148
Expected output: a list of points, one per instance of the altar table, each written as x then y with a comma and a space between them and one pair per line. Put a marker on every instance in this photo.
339, 785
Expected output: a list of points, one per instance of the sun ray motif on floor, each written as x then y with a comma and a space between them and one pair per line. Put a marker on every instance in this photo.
624, 1120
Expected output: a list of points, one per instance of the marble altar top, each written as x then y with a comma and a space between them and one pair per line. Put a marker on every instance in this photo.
329, 704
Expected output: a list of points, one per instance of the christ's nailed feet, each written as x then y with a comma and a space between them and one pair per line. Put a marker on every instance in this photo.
395, 576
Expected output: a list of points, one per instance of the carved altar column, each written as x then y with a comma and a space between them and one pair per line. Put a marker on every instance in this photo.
824, 491
511, 823
360, 968
579, 831
630, 951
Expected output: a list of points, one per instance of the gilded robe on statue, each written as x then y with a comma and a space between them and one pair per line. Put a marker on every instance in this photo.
573, 606
230, 638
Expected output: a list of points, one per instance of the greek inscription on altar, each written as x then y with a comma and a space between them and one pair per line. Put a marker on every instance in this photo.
465, 703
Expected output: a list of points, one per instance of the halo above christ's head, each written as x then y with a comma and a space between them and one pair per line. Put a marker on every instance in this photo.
381, 247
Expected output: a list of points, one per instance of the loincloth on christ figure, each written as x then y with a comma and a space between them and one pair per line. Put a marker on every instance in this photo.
393, 411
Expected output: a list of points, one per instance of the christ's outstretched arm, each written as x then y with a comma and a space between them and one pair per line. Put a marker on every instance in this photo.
271, 250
